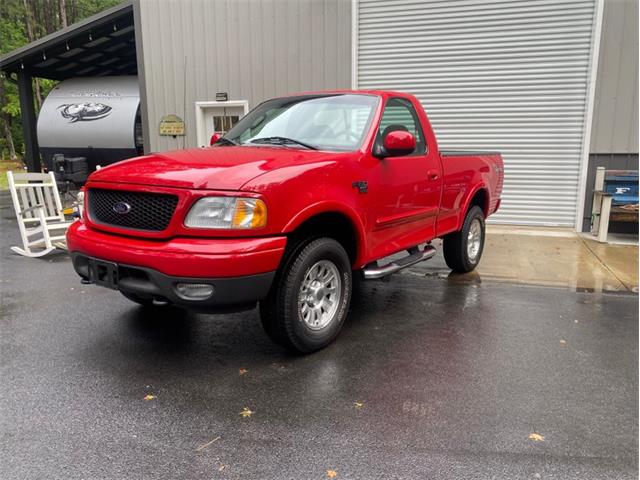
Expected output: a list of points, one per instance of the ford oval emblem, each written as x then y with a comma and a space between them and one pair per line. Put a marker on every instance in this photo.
122, 208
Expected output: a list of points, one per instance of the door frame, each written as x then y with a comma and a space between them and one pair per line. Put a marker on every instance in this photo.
202, 137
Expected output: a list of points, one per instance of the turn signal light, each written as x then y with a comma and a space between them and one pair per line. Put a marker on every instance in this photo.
250, 213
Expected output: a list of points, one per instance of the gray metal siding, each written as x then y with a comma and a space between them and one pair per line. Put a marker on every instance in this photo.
253, 50
506, 75
615, 117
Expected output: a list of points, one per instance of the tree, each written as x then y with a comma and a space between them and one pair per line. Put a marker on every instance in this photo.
62, 5
5, 121
29, 27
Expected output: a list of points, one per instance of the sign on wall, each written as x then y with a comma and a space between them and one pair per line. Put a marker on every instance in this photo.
172, 125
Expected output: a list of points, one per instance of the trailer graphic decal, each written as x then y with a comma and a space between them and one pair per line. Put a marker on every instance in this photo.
84, 112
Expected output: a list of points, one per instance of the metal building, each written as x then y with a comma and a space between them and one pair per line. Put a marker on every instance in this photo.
553, 84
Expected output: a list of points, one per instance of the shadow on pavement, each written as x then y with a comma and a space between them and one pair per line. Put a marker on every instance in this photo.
165, 326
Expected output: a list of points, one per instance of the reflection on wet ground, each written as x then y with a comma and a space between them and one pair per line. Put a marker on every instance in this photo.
571, 262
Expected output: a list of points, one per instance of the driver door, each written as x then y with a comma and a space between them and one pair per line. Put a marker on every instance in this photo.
407, 188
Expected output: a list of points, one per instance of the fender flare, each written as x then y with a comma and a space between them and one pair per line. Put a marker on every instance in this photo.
467, 202
321, 207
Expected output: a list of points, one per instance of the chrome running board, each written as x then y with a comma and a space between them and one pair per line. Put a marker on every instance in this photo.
373, 271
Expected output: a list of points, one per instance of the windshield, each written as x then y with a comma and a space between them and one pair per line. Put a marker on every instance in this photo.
324, 122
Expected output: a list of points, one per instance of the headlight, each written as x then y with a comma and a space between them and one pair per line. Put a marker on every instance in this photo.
227, 212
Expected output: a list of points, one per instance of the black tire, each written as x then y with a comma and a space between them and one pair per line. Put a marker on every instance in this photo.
455, 244
282, 313
144, 301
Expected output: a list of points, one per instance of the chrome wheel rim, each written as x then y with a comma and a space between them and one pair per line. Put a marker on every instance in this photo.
474, 240
320, 293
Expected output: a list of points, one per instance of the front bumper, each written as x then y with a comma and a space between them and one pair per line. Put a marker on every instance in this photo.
241, 270
242, 292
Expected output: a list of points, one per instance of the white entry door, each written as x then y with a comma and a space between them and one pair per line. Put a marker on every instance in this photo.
217, 117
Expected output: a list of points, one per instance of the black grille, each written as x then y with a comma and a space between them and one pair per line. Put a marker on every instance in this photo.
144, 211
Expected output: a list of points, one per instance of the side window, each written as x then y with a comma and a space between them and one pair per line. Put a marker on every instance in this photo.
399, 114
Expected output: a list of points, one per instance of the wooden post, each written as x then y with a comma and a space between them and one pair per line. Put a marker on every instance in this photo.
596, 206
599, 183
28, 115
605, 212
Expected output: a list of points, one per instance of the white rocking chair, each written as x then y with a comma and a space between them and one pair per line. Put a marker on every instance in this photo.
39, 212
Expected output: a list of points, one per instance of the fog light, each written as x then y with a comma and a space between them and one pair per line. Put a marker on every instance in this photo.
194, 291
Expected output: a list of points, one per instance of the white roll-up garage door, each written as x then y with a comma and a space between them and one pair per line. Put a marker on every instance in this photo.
499, 75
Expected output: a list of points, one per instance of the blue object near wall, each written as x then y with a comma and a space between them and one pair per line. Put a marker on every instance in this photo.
611, 161
623, 186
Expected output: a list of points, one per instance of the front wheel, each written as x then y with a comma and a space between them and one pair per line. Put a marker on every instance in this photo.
309, 300
463, 249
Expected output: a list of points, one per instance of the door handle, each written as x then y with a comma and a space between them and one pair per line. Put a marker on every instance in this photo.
432, 175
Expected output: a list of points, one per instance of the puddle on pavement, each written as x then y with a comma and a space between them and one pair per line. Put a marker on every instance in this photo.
477, 277
566, 262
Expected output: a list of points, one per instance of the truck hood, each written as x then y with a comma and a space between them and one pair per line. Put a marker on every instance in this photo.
216, 168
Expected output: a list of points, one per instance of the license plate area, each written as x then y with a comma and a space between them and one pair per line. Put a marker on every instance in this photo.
103, 273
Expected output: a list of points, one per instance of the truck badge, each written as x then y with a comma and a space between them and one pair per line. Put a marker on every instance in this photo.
121, 208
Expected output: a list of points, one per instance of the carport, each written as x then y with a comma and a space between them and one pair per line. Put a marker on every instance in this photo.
101, 45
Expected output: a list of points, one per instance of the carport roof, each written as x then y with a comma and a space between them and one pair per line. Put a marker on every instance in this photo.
103, 44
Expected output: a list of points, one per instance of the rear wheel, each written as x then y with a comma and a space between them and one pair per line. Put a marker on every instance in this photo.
463, 249
309, 300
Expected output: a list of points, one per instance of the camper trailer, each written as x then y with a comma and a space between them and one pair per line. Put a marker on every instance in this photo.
89, 122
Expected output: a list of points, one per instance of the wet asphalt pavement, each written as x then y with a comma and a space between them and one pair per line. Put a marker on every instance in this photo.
431, 378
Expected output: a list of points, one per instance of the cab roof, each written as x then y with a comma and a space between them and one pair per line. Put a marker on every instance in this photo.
377, 93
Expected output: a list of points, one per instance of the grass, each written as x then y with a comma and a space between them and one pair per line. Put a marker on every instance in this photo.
5, 166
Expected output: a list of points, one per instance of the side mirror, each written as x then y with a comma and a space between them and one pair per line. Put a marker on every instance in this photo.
214, 138
398, 143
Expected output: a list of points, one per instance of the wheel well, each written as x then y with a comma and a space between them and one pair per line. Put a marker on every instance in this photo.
331, 224
481, 199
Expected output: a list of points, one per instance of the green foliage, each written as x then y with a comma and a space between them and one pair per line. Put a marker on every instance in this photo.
12, 36
45, 19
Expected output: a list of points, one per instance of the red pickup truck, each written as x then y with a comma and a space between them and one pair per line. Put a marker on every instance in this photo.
303, 193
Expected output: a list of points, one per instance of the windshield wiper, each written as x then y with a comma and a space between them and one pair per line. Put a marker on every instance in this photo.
282, 141
228, 141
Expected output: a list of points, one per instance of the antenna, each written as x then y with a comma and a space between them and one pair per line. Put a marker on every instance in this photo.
184, 99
